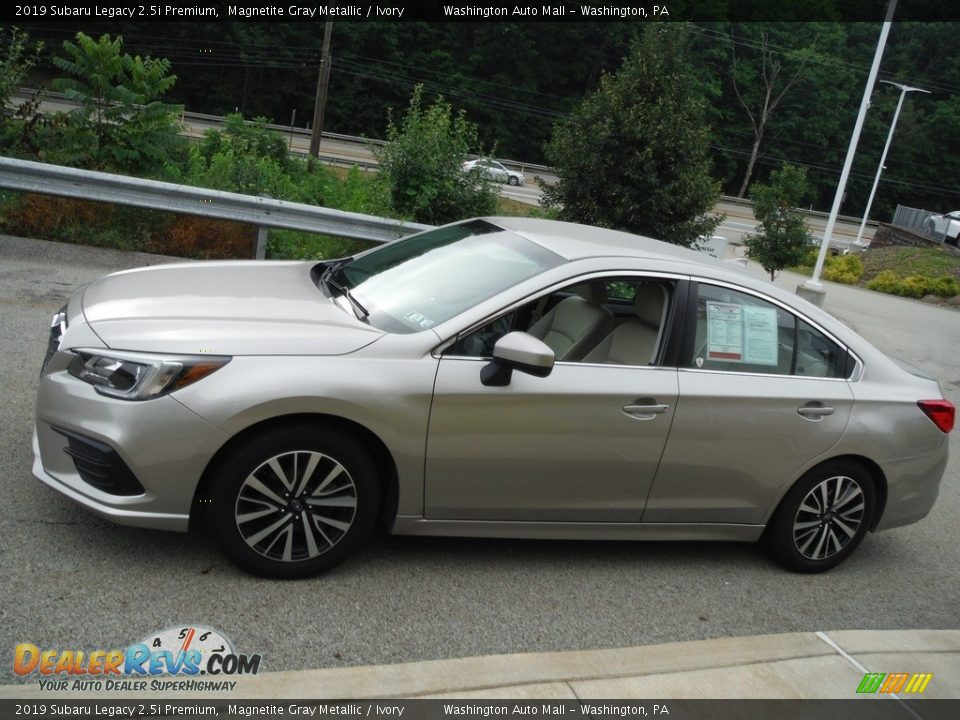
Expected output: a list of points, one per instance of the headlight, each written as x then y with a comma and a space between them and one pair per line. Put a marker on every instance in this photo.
58, 326
138, 376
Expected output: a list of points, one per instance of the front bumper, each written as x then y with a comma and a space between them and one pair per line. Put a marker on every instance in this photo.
163, 445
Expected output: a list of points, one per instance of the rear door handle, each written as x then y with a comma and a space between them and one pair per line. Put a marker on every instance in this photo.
815, 412
646, 411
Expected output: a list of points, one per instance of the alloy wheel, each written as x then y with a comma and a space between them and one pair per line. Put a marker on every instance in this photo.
296, 506
829, 517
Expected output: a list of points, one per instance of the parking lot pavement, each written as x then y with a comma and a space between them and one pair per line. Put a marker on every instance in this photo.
71, 580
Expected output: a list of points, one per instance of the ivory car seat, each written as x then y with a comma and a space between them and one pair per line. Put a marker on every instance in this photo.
635, 341
575, 324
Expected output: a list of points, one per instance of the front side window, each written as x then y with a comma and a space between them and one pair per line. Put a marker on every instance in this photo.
738, 332
413, 284
610, 321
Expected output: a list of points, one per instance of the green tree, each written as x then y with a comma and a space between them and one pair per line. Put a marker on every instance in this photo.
782, 238
17, 56
634, 155
771, 61
120, 122
245, 157
421, 165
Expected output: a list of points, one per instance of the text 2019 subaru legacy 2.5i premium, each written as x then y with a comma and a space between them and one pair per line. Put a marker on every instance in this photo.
496, 377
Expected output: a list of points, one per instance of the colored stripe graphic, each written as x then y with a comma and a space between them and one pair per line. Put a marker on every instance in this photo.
871, 682
892, 683
918, 683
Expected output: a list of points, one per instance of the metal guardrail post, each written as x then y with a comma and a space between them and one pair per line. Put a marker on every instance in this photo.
260, 250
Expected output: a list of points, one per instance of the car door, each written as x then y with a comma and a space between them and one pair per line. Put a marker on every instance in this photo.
496, 171
582, 444
763, 394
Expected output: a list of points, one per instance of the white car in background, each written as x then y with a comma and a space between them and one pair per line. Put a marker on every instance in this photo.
494, 170
944, 226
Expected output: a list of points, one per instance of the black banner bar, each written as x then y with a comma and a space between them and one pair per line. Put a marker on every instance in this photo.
479, 11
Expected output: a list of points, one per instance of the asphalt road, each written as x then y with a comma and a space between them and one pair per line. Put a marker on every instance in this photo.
69, 580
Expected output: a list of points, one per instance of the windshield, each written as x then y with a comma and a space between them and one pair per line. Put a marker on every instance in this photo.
416, 283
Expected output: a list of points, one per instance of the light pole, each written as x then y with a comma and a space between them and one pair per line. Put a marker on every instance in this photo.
904, 89
812, 289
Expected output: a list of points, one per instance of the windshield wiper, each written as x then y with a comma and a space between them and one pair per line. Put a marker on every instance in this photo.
329, 279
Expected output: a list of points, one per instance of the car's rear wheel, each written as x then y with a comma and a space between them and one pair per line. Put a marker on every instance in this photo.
823, 518
294, 501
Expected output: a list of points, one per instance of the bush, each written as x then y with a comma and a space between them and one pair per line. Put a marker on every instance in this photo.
357, 191
293, 245
421, 165
945, 286
884, 281
914, 286
846, 269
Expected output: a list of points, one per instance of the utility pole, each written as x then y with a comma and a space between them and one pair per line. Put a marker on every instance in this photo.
323, 80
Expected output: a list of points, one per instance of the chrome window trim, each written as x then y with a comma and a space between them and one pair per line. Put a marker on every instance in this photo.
761, 375
573, 363
855, 374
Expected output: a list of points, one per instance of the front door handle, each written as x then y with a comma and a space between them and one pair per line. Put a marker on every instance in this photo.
646, 409
814, 411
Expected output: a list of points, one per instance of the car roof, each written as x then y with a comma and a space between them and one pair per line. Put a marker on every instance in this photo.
577, 242
580, 242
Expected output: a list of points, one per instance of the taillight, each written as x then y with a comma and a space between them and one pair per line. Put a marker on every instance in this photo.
942, 412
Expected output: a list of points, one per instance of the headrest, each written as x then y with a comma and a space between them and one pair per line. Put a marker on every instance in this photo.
650, 302
592, 292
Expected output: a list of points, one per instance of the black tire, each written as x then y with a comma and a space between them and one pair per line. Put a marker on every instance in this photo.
513, 180
321, 505
823, 518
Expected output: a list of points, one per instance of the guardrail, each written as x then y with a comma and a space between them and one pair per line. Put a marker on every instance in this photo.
263, 212
747, 203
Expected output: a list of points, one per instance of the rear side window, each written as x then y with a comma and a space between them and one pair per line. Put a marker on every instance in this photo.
738, 332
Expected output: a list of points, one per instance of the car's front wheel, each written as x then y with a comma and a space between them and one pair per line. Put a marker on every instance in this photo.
823, 518
294, 501
513, 180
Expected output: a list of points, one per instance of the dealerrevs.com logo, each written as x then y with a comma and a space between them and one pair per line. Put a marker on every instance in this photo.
180, 652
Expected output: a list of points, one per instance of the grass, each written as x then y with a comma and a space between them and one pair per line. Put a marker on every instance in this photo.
908, 271
515, 208
906, 261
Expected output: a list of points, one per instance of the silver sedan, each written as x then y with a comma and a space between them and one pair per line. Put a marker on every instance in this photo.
498, 377
495, 171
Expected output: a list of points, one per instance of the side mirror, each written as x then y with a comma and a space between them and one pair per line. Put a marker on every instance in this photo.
517, 351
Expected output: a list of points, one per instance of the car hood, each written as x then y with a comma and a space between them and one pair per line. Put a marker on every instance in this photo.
226, 308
